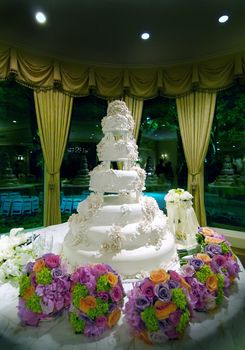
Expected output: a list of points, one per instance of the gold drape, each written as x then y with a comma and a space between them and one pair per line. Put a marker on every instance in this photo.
53, 110
112, 82
195, 115
135, 105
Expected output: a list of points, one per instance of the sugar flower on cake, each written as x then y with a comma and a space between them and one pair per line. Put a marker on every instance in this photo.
44, 290
97, 298
158, 307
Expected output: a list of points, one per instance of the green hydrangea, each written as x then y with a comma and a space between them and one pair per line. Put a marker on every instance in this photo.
102, 284
225, 248
44, 276
150, 319
184, 319
179, 298
101, 308
24, 283
220, 294
33, 303
79, 291
77, 324
204, 273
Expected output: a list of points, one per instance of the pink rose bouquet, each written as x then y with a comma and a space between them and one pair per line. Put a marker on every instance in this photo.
158, 307
97, 298
44, 290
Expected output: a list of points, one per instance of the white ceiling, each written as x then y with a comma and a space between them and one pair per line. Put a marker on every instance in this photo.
108, 31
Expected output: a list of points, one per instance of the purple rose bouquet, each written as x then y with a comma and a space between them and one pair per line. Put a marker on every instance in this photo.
44, 290
97, 298
158, 307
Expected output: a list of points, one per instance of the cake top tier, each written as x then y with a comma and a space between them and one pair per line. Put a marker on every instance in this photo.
118, 119
117, 107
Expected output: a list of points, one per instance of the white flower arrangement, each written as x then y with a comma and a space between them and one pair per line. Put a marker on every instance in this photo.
178, 195
14, 254
182, 218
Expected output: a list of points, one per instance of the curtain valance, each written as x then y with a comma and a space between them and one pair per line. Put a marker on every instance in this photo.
79, 80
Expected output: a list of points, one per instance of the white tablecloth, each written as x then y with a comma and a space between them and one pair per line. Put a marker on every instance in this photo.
223, 329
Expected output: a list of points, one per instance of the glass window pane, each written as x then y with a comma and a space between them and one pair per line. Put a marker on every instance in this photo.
21, 161
225, 162
160, 148
80, 155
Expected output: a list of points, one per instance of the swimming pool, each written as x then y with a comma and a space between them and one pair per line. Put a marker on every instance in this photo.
159, 197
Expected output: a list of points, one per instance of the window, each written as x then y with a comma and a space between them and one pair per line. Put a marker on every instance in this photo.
160, 148
21, 161
80, 155
225, 162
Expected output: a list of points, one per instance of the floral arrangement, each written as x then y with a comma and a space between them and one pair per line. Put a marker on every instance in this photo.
210, 272
96, 299
158, 307
178, 196
15, 252
223, 260
44, 290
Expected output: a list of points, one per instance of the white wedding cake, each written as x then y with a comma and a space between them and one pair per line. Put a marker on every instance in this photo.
117, 224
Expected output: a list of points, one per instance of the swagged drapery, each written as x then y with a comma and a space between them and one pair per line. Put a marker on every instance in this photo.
112, 82
137, 84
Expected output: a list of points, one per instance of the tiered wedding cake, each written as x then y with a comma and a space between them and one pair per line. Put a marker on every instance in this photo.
116, 224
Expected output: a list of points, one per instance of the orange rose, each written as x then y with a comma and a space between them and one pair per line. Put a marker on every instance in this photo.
213, 240
87, 303
184, 284
207, 231
112, 279
28, 293
114, 317
39, 265
159, 276
163, 310
212, 283
204, 257
144, 336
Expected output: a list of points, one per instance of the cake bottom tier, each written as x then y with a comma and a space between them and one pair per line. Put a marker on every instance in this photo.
128, 263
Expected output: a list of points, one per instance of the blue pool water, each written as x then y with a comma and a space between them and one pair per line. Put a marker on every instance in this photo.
159, 197
70, 203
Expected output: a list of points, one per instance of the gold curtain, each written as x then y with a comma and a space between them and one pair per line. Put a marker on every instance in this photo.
112, 82
135, 105
195, 115
53, 110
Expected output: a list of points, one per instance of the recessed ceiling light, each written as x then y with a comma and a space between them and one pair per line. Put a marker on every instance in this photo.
145, 36
223, 19
14, 121
40, 17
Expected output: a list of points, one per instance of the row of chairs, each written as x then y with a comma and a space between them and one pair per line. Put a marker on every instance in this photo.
20, 206
69, 204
